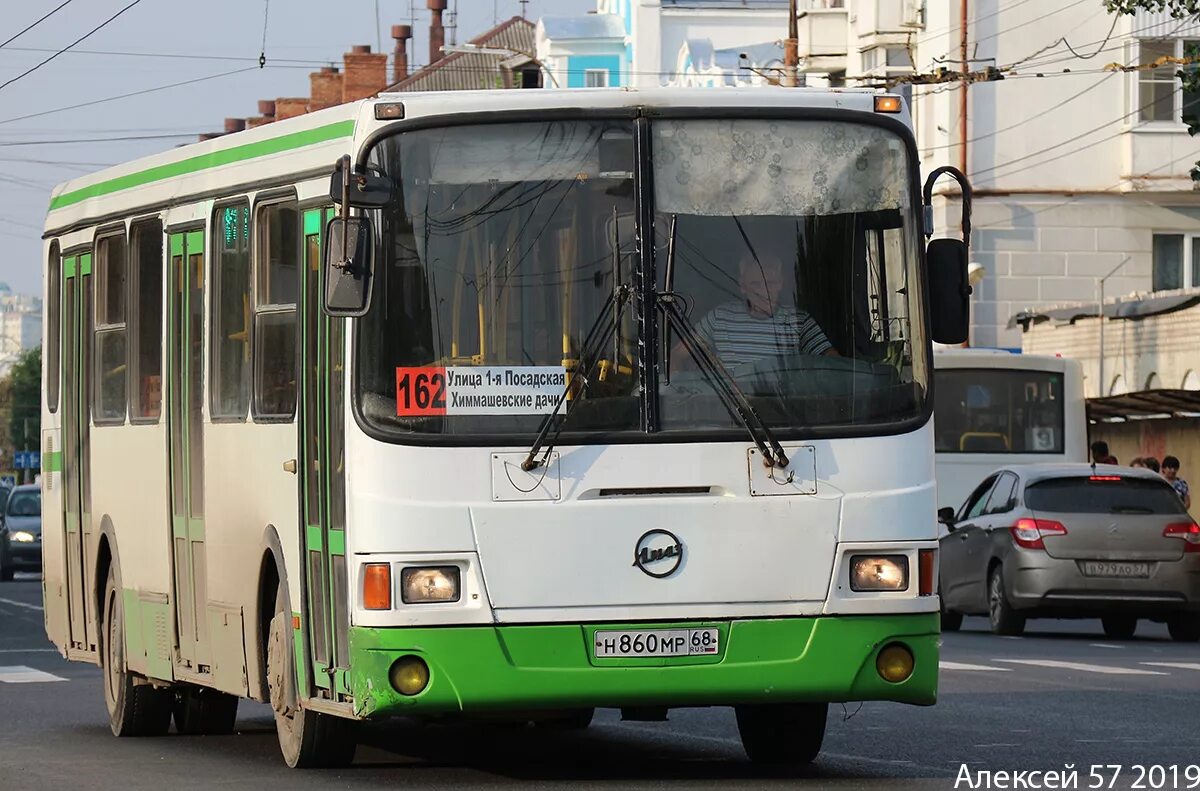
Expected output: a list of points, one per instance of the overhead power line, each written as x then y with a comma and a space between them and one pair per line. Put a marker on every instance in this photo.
32, 69
35, 23
124, 139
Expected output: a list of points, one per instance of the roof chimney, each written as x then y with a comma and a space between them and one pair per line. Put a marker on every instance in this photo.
365, 73
234, 125
437, 32
326, 88
401, 33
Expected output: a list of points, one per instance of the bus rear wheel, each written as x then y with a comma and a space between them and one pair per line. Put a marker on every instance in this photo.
134, 709
781, 734
199, 711
307, 739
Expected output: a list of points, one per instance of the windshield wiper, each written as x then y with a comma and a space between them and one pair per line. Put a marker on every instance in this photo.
593, 344
731, 395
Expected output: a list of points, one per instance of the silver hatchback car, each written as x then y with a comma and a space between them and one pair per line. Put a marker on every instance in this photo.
1072, 541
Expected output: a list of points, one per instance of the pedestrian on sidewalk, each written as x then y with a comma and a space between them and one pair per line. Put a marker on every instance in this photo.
1170, 471
1100, 454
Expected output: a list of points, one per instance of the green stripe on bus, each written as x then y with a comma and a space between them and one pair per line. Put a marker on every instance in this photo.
69, 267
85, 264
176, 244
213, 159
312, 222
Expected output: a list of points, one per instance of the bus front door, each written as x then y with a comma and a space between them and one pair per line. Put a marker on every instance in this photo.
322, 482
186, 450
76, 424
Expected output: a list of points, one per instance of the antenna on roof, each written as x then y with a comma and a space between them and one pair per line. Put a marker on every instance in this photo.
524, 9
452, 22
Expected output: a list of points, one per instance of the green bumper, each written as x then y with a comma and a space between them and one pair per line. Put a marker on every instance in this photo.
497, 668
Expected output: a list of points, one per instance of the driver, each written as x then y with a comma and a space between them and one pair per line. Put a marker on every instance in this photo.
757, 327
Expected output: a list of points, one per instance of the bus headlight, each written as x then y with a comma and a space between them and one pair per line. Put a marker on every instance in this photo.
427, 585
878, 573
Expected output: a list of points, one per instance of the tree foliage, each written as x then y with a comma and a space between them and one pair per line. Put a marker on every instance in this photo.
25, 396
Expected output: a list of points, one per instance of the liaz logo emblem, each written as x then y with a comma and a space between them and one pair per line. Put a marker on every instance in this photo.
658, 553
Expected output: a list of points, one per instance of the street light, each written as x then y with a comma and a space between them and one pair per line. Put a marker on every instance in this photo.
478, 50
1100, 317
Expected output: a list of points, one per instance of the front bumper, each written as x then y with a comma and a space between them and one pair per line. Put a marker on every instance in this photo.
1057, 586
25, 556
498, 668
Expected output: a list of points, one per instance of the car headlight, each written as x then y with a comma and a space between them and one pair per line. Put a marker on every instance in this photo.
427, 585
878, 573
23, 537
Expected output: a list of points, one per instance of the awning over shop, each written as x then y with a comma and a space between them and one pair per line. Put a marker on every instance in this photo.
1139, 308
1145, 404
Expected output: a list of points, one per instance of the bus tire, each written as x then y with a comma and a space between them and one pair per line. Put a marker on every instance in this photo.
200, 711
307, 739
787, 733
1001, 615
1184, 628
133, 709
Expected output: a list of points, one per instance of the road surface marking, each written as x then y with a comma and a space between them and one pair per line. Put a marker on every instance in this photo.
1104, 645
37, 607
1176, 665
943, 665
20, 674
28, 650
997, 744
1055, 663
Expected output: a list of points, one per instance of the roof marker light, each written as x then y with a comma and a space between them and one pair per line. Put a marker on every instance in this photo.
888, 104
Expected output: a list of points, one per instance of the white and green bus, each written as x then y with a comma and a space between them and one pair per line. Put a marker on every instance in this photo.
507, 404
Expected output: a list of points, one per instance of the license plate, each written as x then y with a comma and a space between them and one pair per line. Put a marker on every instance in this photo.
1108, 568
656, 642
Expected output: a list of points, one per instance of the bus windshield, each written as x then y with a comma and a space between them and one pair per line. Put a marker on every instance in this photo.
990, 411
790, 247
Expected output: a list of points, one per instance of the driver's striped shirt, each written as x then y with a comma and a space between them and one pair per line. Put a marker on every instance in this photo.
738, 337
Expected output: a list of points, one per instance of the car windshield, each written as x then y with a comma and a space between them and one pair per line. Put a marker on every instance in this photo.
985, 410
1103, 495
789, 246
27, 503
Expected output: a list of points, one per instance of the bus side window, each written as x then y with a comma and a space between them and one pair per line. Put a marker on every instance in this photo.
277, 288
146, 330
54, 302
110, 284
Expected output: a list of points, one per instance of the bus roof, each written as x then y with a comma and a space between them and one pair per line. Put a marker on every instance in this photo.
310, 144
998, 358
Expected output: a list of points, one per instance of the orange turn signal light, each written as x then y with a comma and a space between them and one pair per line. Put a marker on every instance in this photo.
377, 586
888, 104
927, 565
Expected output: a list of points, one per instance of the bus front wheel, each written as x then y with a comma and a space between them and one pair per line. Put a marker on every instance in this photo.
307, 739
789, 733
134, 709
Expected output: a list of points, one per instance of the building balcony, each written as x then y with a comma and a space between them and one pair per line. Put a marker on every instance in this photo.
822, 36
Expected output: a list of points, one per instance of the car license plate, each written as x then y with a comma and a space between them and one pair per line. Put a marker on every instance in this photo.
656, 642
1108, 568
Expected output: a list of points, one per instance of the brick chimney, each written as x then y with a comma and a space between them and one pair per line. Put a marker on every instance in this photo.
365, 72
437, 31
266, 114
401, 34
326, 88
290, 107
234, 125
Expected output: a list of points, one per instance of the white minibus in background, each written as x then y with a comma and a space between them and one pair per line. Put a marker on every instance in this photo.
995, 408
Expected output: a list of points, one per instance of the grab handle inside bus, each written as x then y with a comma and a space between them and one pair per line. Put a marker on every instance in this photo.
946, 262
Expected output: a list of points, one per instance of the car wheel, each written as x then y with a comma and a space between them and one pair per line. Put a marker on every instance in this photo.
951, 620
133, 709
784, 733
307, 739
1184, 628
200, 711
1119, 627
1001, 615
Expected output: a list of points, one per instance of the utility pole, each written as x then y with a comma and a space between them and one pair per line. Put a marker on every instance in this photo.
791, 52
962, 95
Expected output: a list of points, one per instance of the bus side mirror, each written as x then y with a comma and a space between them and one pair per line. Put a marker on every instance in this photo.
349, 254
949, 290
371, 190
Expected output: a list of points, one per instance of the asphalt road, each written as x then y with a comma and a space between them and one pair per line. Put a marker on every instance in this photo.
1063, 694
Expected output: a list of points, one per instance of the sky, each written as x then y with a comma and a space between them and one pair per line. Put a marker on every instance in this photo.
214, 45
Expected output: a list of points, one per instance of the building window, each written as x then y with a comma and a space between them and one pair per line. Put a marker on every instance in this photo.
230, 366
1160, 97
111, 288
1176, 261
145, 353
53, 303
276, 293
595, 78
